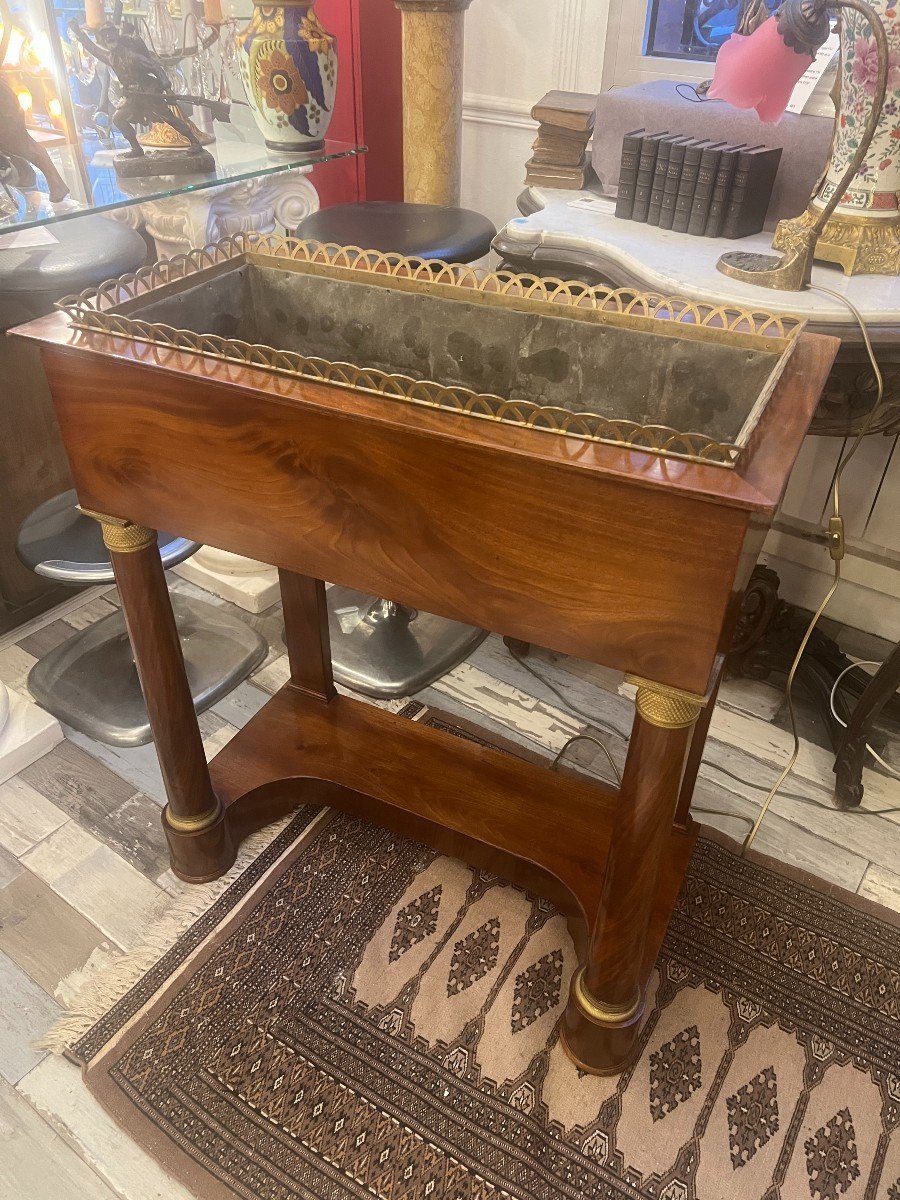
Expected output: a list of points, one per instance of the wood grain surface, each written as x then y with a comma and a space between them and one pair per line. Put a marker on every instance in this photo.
623, 558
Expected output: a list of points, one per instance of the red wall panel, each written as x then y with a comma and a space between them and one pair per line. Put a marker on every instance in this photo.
368, 107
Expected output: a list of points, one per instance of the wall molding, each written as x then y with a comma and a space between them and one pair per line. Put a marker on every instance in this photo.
569, 41
498, 110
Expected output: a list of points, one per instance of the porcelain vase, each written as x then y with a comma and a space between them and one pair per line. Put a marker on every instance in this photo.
875, 189
289, 67
863, 235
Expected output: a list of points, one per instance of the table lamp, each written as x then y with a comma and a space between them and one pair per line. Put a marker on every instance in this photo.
760, 71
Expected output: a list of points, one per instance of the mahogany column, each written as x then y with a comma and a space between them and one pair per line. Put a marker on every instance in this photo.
306, 634
193, 820
605, 1007
695, 754
432, 99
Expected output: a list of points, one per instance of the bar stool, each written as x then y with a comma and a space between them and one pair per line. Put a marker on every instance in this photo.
33, 465
90, 681
378, 647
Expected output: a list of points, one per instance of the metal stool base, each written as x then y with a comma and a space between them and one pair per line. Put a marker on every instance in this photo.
90, 682
385, 650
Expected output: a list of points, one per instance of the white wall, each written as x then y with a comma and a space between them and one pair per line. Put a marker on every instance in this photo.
516, 50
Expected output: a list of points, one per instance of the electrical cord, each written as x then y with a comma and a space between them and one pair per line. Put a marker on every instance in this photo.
696, 93
586, 737
574, 710
836, 548
564, 700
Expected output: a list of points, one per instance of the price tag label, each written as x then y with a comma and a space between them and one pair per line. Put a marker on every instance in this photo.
808, 81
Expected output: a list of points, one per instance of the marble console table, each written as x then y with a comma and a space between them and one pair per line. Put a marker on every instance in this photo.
577, 235
552, 236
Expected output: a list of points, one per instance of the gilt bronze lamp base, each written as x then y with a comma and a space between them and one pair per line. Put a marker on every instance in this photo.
790, 271
862, 245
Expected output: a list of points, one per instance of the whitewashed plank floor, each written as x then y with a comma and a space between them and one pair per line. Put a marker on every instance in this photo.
79, 830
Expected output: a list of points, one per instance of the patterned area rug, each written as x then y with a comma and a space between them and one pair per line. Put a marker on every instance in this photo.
359, 1017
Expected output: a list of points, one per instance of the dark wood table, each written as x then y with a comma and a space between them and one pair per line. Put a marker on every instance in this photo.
612, 554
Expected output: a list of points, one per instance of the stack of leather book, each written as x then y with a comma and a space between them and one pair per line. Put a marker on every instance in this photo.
695, 185
560, 154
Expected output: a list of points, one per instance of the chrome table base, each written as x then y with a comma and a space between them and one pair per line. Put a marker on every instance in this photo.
386, 650
90, 682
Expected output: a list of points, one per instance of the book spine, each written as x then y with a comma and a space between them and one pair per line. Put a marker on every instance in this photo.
706, 178
685, 197
739, 184
751, 194
721, 194
644, 186
548, 158
659, 182
631, 156
670, 191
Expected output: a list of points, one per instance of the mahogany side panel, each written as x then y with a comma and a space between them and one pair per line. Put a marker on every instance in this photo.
636, 578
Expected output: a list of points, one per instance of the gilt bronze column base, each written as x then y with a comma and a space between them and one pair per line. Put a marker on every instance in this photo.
599, 1040
201, 848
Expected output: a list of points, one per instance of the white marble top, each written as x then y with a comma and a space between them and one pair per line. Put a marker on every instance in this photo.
631, 254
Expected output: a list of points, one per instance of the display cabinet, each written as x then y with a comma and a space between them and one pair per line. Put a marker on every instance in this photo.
68, 155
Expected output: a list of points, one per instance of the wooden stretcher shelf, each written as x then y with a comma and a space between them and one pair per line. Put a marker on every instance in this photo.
474, 790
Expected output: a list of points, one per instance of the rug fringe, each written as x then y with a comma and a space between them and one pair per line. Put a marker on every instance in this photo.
100, 992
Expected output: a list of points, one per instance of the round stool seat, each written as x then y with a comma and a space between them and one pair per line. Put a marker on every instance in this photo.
456, 235
84, 252
57, 540
32, 278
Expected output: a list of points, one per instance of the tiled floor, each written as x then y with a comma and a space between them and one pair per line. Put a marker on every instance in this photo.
83, 863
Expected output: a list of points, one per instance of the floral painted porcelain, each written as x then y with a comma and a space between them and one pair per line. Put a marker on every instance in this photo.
863, 233
878, 182
289, 68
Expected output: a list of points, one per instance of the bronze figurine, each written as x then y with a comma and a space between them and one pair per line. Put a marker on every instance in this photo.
147, 98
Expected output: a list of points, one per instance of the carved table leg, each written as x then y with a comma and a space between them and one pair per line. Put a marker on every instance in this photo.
605, 1007
851, 749
193, 820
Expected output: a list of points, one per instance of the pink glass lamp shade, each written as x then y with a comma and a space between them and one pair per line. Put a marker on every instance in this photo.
759, 71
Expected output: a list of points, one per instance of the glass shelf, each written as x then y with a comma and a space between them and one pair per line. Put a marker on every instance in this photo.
235, 160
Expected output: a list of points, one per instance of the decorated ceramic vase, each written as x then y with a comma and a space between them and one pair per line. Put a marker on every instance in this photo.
877, 184
289, 68
863, 235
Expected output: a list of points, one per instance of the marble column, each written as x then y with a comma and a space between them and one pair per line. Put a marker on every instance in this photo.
432, 99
